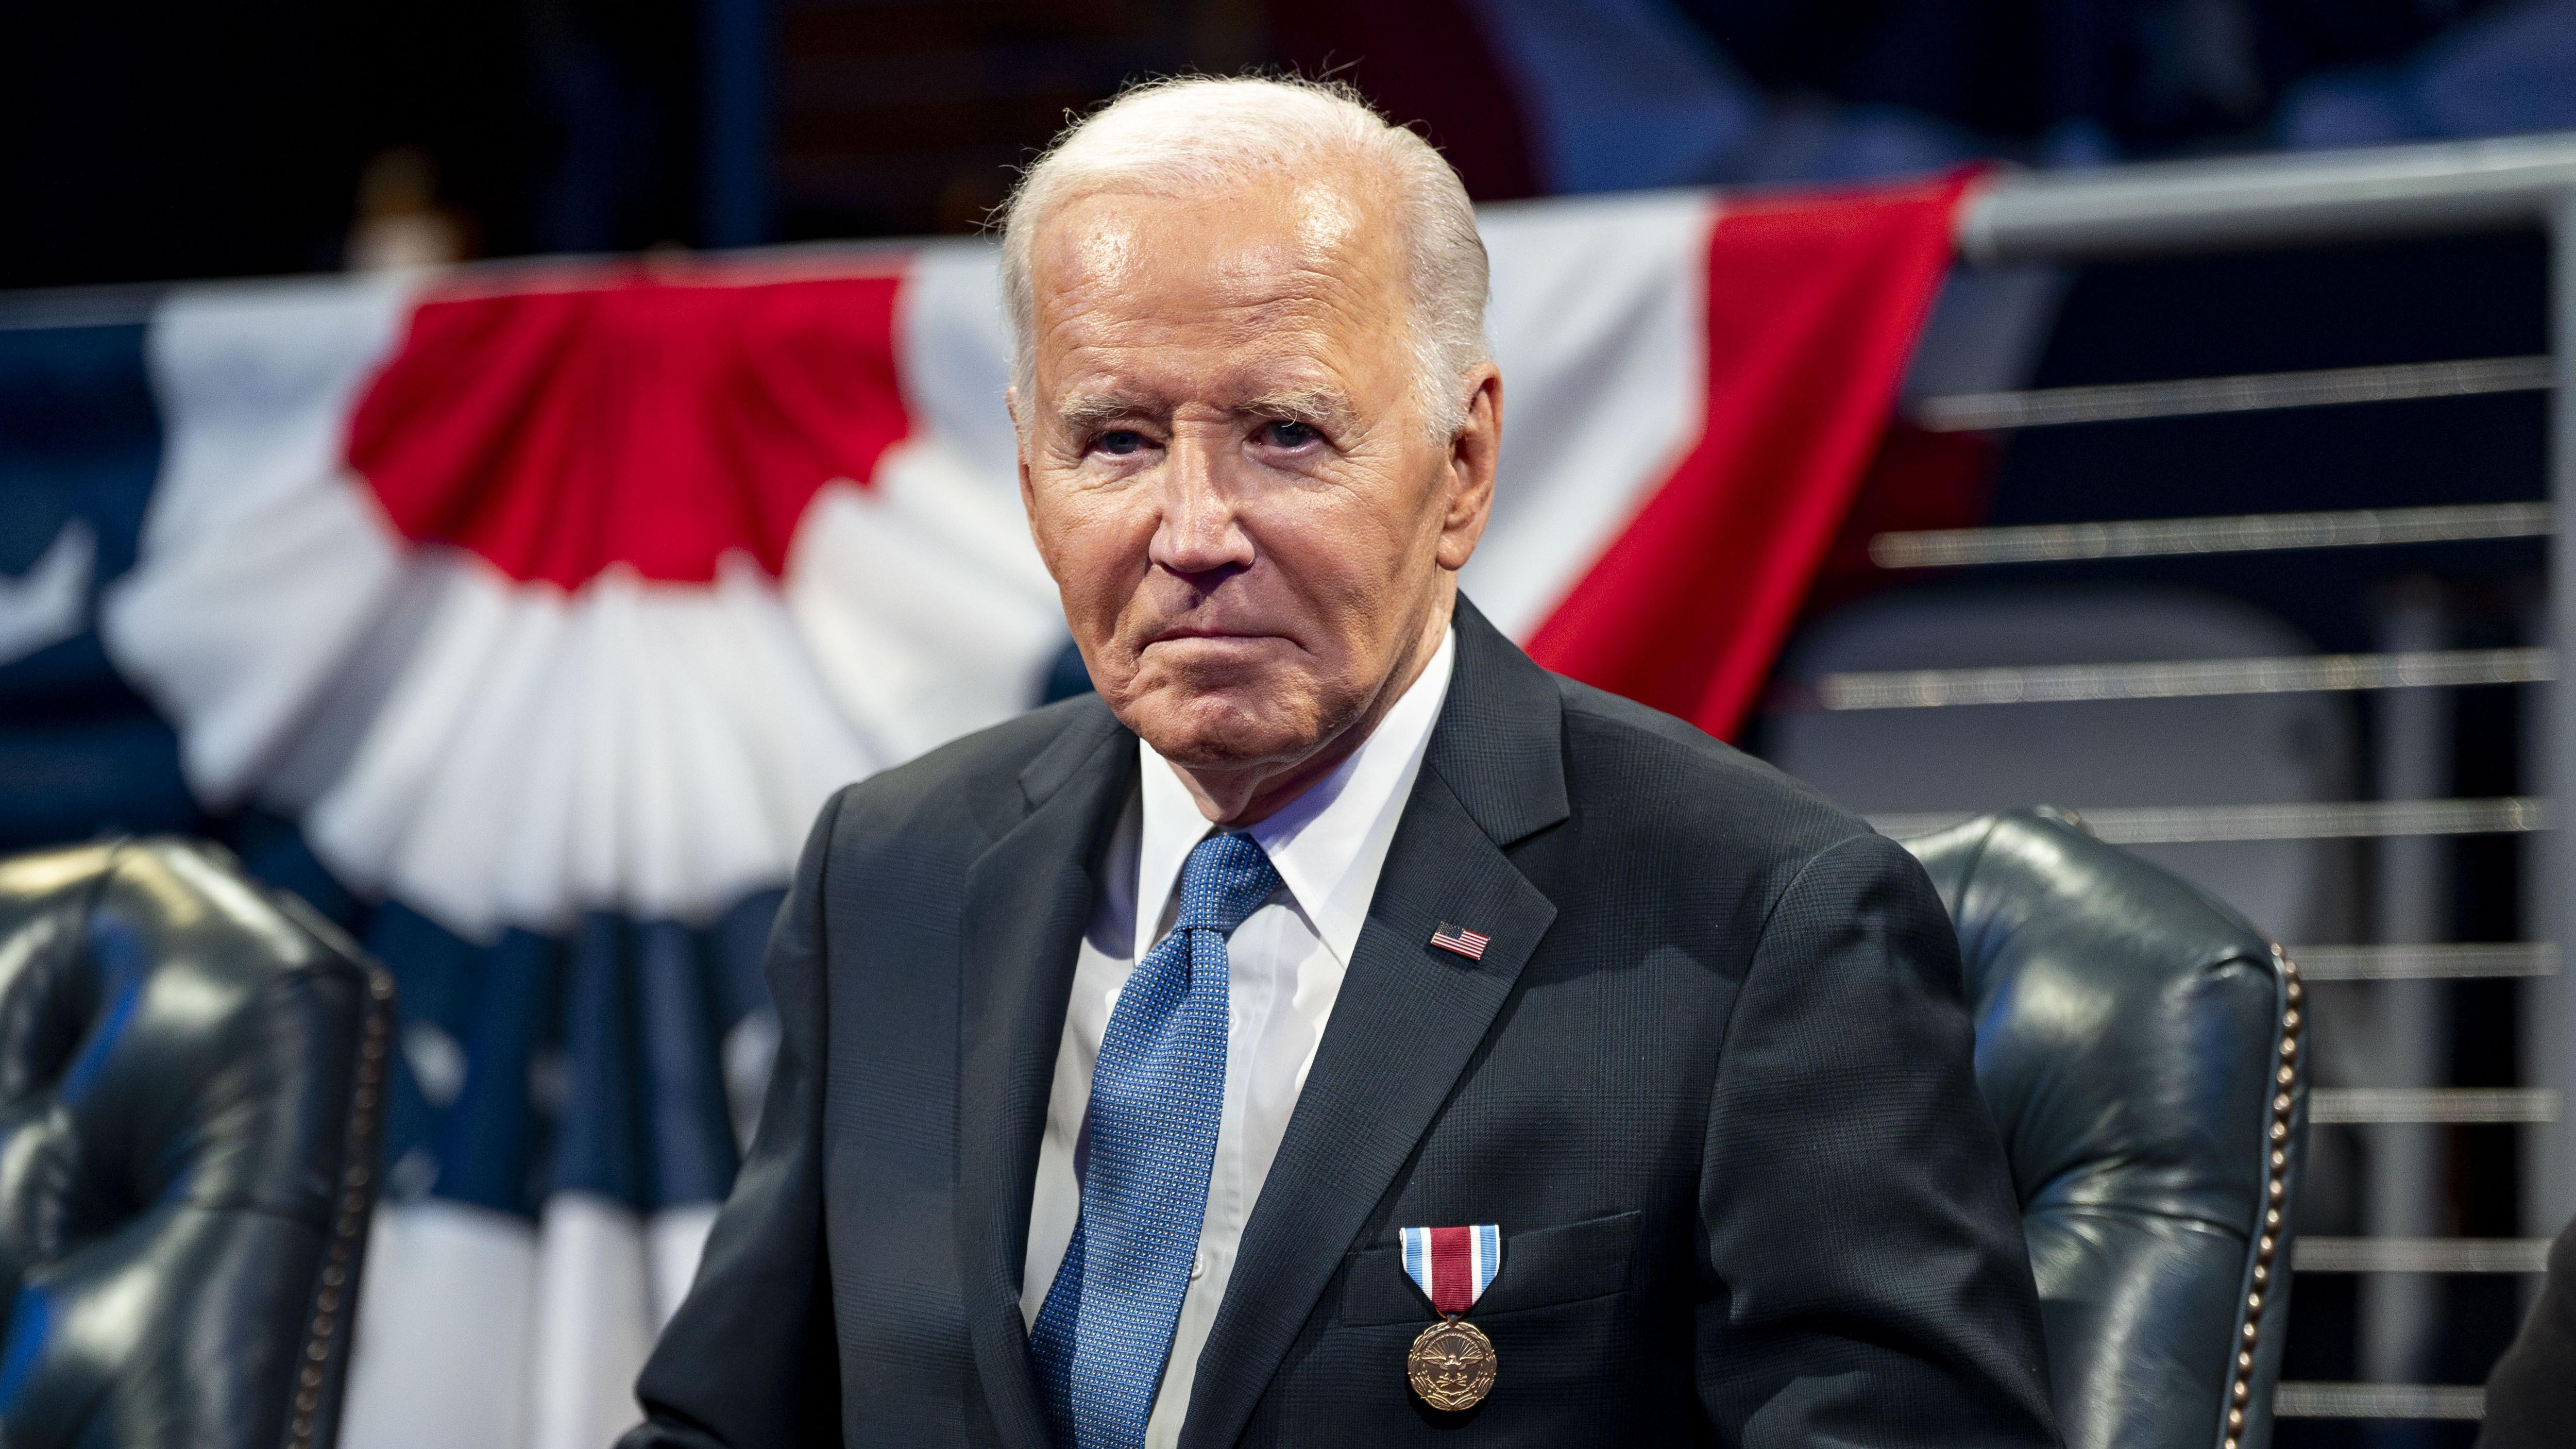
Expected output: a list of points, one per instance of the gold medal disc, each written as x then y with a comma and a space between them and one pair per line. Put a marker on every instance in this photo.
1451, 1365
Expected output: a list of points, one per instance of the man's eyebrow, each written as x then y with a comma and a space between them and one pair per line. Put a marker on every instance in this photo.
1085, 411
1317, 405
1322, 406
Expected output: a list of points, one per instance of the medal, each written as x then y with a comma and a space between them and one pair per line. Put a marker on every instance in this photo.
1451, 1365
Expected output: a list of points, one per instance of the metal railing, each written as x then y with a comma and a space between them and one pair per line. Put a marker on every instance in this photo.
2320, 820
2455, 1105
2421, 1255
2448, 962
2191, 397
2310, 200
2168, 679
2191, 537
2378, 1401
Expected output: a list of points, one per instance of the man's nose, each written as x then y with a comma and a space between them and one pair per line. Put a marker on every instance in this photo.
1201, 529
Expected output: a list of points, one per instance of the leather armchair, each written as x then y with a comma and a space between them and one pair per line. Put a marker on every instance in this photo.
191, 1074
2140, 1045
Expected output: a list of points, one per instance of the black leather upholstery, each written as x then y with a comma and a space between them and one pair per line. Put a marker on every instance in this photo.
190, 1074
2141, 1048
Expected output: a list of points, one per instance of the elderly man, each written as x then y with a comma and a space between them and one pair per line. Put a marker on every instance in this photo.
1338, 1030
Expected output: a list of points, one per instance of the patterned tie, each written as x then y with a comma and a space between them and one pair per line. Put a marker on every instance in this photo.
1156, 1091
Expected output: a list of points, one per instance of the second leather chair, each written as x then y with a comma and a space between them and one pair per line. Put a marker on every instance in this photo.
2141, 1047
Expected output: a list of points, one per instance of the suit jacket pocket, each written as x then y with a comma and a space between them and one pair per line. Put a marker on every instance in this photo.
1542, 1267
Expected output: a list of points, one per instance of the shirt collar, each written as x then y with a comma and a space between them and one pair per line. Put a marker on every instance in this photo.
1329, 843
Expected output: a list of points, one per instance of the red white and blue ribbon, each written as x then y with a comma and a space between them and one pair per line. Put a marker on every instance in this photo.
1453, 1266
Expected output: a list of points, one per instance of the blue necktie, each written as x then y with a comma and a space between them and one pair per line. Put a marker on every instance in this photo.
1156, 1091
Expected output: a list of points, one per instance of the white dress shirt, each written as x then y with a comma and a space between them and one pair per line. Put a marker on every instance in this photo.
1284, 970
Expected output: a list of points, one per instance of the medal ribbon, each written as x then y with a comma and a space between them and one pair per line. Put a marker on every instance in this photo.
1453, 1266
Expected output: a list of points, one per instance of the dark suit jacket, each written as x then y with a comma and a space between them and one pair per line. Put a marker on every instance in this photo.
1712, 1078
2531, 1394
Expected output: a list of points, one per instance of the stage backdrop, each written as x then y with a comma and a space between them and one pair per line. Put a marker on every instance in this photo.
522, 617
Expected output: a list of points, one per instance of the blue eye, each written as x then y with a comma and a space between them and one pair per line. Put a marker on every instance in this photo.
1288, 434
1119, 442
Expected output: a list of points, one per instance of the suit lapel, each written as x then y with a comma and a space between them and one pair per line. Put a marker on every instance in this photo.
1027, 900
1409, 1017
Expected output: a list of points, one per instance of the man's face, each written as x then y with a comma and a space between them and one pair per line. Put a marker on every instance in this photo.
1228, 471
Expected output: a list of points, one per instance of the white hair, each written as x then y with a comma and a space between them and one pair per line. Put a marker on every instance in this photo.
1197, 133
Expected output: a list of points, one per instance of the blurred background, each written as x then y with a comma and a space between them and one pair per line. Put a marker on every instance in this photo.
154, 144
157, 142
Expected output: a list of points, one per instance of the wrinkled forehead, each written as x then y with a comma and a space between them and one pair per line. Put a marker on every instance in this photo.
1270, 264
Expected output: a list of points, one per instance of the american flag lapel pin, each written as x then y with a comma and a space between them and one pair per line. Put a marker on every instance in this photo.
1470, 944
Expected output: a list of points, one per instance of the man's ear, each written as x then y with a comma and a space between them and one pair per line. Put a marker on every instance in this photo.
1473, 454
1020, 439
1028, 485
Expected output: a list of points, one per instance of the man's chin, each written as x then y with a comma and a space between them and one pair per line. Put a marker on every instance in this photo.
1223, 729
